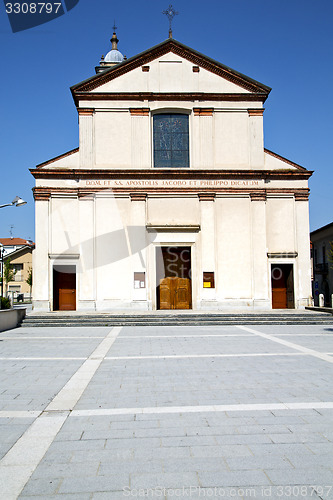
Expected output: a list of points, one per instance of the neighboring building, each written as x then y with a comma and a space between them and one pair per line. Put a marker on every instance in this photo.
21, 260
322, 266
171, 200
11, 244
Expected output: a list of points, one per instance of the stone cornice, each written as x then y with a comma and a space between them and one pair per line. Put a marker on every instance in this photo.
167, 96
208, 194
43, 173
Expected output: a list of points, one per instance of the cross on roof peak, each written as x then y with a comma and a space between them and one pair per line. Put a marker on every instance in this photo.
170, 13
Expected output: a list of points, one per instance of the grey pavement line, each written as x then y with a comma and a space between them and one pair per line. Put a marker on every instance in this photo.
17, 466
286, 343
203, 409
186, 356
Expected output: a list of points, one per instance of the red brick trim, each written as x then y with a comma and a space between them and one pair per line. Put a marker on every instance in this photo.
44, 193
139, 111
203, 111
170, 174
302, 196
256, 112
207, 196
138, 196
258, 195
167, 96
85, 111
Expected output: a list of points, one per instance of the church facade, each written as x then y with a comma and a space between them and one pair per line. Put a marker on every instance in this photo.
171, 200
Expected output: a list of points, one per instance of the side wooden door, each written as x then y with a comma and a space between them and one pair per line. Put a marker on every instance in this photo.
67, 291
279, 288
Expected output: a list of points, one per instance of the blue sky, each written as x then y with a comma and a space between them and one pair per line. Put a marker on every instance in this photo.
285, 44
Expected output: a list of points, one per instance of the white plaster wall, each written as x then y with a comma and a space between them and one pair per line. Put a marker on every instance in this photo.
280, 224
234, 250
173, 211
303, 249
170, 73
40, 258
113, 265
70, 161
64, 226
231, 140
113, 140
86, 268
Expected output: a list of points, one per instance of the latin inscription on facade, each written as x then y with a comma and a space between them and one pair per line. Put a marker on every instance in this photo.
165, 183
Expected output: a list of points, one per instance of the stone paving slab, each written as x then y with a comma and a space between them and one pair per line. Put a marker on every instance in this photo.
113, 456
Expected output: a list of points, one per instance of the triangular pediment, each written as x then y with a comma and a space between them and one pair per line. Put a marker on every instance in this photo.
171, 67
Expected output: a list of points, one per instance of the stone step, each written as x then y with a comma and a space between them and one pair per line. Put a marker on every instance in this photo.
176, 319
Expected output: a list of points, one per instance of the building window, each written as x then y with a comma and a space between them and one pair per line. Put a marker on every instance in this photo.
171, 141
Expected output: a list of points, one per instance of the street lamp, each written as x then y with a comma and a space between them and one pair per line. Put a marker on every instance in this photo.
2, 251
17, 202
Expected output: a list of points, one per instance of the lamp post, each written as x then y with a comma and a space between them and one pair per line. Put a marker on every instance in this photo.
17, 202
2, 251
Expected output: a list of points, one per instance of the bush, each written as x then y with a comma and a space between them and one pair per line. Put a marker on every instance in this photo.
5, 303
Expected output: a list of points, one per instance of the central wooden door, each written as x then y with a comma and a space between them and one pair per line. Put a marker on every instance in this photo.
175, 293
64, 291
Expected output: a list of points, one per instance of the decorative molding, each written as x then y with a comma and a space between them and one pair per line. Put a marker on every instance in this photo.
139, 111
195, 69
85, 111
256, 112
193, 228
207, 196
301, 196
63, 256
145, 69
203, 111
138, 196
85, 194
167, 96
282, 255
165, 173
259, 195
204, 194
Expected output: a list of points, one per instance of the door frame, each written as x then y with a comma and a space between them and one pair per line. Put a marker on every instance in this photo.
156, 284
281, 262
64, 261
152, 268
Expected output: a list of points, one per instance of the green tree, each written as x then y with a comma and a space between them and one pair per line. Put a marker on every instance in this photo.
8, 273
29, 279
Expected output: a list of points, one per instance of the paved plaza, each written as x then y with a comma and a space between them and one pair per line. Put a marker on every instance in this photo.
165, 412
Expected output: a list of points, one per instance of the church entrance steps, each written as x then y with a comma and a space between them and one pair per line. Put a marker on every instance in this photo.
176, 319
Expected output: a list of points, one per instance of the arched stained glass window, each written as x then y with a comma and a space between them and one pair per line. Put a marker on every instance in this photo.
171, 142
